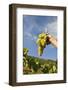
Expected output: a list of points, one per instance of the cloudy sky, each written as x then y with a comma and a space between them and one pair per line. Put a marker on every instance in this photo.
33, 26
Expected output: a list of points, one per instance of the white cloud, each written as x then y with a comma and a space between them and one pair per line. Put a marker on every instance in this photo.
45, 30
29, 35
52, 28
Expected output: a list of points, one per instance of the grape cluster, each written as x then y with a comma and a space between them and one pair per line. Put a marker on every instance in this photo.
42, 41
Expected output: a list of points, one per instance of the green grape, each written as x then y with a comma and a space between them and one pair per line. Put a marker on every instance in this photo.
41, 42
42, 35
40, 50
38, 41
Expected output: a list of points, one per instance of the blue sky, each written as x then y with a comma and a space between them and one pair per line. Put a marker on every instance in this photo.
33, 26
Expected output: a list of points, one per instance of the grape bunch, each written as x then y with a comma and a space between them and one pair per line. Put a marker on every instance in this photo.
42, 41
